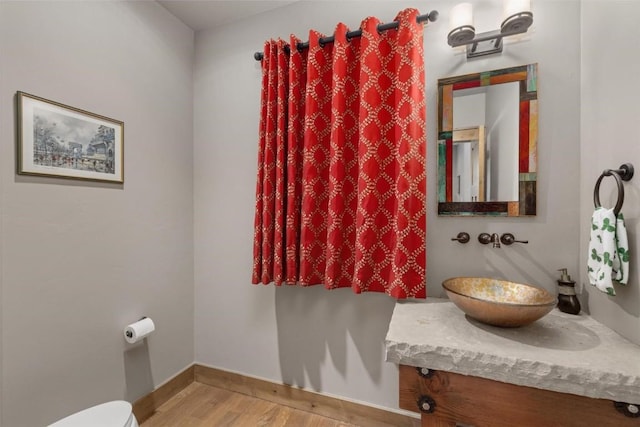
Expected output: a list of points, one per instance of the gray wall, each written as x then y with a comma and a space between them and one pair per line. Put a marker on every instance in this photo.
78, 260
610, 110
133, 246
553, 233
333, 341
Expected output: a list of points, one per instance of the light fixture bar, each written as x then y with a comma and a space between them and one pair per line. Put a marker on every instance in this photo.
484, 44
489, 42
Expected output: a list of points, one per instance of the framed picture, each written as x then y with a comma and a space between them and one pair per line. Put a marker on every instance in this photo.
65, 142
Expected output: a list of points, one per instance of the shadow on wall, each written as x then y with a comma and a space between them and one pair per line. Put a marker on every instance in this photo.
315, 324
137, 371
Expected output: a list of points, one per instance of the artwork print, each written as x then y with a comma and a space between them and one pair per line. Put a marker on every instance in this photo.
62, 141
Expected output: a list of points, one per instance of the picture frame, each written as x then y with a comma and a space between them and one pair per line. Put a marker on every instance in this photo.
57, 140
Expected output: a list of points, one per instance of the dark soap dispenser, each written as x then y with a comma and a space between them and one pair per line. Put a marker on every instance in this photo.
567, 300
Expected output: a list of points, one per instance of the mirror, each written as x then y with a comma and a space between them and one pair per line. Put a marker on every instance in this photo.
487, 141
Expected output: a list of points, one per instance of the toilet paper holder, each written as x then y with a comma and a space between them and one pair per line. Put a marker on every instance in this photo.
136, 332
129, 334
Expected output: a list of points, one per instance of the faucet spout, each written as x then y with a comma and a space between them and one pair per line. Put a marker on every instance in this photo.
495, 239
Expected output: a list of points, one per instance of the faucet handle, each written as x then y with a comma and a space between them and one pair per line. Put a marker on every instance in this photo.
484, 238
462, 237
509, 239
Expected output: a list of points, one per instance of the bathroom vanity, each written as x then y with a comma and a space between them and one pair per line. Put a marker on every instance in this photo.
562, 370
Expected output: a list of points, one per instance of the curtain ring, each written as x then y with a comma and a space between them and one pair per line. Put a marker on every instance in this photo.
596, 190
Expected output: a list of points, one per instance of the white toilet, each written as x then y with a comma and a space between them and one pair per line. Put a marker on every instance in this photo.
111, 414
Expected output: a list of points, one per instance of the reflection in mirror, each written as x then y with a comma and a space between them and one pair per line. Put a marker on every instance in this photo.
487, 139
496, 107
468, 164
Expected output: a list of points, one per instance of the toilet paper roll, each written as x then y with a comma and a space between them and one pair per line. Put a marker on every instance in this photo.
138, 331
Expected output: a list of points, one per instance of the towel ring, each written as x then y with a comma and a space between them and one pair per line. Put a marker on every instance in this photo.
625, 173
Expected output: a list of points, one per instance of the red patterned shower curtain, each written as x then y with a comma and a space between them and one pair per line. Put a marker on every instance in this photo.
341, 183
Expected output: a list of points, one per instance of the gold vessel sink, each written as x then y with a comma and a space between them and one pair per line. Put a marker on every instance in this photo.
499, 302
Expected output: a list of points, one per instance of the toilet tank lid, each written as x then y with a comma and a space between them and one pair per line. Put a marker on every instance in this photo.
110, 414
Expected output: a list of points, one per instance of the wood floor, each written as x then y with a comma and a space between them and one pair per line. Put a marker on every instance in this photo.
203, 405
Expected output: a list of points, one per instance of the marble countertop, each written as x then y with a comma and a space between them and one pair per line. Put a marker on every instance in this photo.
560, 352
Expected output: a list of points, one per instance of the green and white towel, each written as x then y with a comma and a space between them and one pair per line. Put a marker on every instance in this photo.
608, 250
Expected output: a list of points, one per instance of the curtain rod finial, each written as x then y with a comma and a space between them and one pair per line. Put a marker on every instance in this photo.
258, 56
433, 15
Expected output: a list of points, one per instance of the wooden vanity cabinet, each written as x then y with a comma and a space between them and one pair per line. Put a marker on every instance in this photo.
447, 399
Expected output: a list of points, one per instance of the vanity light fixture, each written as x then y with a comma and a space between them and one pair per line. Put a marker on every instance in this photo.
517, 18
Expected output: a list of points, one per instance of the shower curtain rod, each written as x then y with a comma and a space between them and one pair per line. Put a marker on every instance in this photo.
431, 17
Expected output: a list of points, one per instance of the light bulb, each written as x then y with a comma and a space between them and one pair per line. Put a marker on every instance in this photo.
517, 17
461, 25
513, 7
461, 15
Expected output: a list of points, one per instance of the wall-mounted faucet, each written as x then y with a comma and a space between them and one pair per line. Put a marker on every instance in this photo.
506, 239
486, 238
